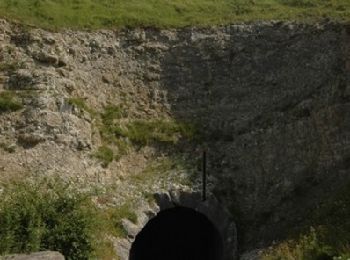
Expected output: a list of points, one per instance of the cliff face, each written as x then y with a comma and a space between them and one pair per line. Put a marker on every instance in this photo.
271, 101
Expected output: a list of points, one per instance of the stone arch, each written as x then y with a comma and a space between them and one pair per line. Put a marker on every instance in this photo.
211, 209
178, 233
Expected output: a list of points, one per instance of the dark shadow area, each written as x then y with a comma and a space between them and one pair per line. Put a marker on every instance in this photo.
178, 234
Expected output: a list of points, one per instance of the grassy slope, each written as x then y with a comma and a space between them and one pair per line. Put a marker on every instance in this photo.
55, 14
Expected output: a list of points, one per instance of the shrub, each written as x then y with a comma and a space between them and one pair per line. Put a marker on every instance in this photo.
46, 216
9, 102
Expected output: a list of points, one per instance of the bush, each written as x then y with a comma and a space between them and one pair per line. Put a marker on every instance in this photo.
46, 216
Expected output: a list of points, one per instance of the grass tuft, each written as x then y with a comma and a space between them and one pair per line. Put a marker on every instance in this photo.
145, 132
105, 155
9, 102
114, 217
81, 104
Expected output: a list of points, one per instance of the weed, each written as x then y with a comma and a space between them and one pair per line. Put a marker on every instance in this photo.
123, 148
114, 217
114, 129
9, 102
105, 155
112, 113
81, 104
10, 67
144, 132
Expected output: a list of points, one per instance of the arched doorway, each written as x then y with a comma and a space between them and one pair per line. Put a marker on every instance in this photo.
178, 233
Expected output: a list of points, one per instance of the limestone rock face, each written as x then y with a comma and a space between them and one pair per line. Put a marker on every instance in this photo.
270, 100
35, 256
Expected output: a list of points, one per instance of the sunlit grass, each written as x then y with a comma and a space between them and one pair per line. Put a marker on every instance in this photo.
54, 14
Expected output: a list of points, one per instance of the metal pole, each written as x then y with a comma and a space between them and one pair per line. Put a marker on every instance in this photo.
204, 176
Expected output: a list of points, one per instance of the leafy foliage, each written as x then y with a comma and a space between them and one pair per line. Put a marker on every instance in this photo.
47, 216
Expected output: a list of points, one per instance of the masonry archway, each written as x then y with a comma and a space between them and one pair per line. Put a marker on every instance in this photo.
178, 233
184, 215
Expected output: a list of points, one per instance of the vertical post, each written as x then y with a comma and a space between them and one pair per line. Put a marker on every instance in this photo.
204, 176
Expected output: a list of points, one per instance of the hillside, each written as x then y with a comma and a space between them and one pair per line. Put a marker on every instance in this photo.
54, 14
107, 106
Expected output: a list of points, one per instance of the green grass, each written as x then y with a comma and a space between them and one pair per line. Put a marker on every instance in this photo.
10, 67
121, 133
54, 14
327, 238
145, 132
81, 104
114, 217
105, 155
9, 102
112, 113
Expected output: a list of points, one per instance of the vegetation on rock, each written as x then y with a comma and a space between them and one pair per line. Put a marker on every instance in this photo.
101, 14
9, 102
114, 216
44, 216
105, 155
118, 129
81, 104
328, 238
53, 215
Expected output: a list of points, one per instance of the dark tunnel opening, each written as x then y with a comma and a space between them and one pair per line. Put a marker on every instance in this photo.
178, 234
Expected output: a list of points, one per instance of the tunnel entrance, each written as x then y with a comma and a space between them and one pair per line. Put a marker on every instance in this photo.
178, 234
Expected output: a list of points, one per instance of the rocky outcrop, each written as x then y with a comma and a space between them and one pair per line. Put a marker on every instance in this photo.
270, 100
